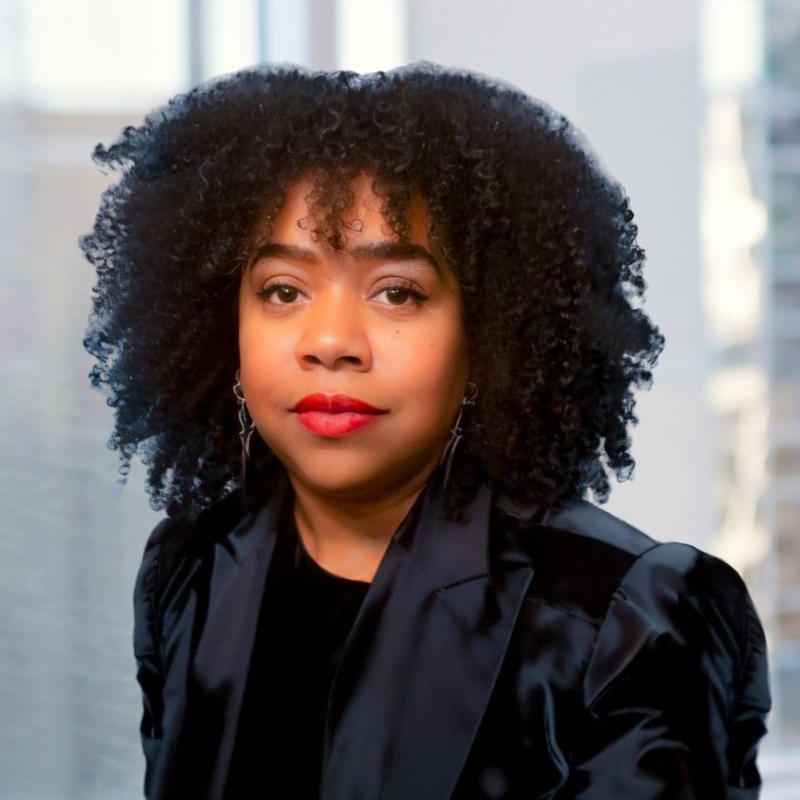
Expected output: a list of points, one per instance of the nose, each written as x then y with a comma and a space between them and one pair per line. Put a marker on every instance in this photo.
334, 332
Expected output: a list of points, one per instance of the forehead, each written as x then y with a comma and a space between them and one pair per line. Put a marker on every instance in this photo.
368, 236
363, 217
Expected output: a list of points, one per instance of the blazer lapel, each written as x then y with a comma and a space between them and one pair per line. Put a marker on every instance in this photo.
418, 667
421, 660
226, 618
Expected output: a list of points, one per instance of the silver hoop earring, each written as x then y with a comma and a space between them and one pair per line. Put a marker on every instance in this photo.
457, 432
246, 427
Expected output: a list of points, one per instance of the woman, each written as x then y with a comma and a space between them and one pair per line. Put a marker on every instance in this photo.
374, 337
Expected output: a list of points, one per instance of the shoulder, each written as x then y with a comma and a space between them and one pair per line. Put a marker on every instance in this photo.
190, 535
579, 553
171, 539
174, 541
586, 560
677, 601
579, 520
646, 600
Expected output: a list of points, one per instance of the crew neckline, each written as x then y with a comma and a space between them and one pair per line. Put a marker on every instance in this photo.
302, 554
312, 562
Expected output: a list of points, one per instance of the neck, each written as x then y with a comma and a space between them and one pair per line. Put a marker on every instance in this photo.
350, 537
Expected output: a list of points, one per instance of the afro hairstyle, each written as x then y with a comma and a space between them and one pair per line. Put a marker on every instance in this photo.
540, 237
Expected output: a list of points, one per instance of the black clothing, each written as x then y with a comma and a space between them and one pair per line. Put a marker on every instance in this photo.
519, 653
305, 617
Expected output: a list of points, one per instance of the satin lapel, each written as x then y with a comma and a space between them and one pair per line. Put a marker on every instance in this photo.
225, 641
422, 658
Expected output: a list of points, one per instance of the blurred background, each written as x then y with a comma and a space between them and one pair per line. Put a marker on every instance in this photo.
694, 105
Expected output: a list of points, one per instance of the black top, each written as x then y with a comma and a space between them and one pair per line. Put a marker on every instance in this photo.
306, 615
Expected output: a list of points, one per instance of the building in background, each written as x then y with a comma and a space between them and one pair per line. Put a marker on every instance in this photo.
750, 226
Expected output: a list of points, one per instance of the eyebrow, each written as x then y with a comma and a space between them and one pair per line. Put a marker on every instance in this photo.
379, 251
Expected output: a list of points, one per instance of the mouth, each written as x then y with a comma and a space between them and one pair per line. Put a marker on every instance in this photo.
336, 404
336, 424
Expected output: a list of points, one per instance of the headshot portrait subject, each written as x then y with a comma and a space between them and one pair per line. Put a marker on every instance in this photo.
376, 338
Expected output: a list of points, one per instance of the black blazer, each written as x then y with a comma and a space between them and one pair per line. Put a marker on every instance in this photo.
516, 654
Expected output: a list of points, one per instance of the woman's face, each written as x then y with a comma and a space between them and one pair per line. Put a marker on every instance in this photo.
347, 322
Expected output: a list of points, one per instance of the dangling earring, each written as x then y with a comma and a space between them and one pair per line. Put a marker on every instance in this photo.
246, 427
457, 432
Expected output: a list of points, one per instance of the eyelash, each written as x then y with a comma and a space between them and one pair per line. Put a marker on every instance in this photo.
418, 298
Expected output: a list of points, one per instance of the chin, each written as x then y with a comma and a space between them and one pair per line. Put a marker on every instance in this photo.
360, 469
337, 467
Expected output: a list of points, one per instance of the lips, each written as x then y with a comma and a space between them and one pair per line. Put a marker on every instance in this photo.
335, 415
325, 424
336, 404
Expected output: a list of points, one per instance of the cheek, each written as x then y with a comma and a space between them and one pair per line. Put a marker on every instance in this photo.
432, 364
259, 360
251, 349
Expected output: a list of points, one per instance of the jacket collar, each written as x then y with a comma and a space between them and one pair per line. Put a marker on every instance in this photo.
419, 664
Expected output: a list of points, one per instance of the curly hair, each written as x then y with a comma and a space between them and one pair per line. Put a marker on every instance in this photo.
541, 239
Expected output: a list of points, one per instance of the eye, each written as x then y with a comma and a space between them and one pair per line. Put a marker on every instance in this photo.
399, 291
285, 290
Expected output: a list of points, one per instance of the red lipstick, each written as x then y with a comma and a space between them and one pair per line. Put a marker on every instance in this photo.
335, 415
336, 404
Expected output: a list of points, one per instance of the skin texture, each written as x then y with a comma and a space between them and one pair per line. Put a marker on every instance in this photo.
339, 331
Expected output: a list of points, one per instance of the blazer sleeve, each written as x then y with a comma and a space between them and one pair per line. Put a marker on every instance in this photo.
676, 691
146, 640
